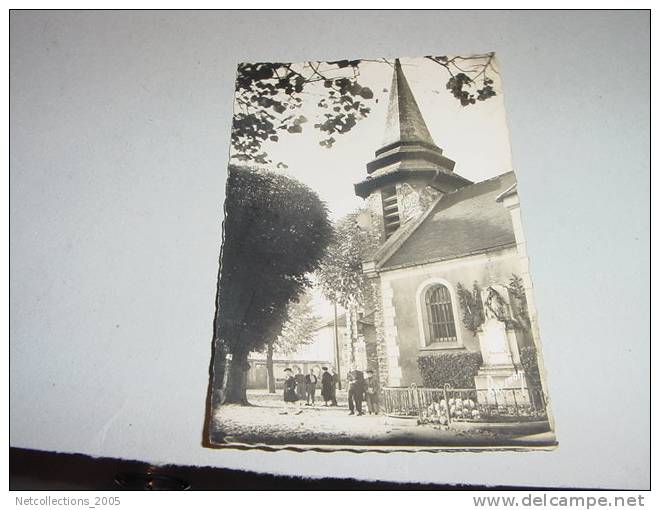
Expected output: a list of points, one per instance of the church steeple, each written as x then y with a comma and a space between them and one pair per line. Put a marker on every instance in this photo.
409, 163
404, 120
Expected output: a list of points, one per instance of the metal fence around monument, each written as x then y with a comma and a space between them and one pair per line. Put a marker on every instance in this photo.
465, 404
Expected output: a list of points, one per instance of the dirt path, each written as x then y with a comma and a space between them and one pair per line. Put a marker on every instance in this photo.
265, 422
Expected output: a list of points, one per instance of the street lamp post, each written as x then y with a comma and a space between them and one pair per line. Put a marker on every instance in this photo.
337, 353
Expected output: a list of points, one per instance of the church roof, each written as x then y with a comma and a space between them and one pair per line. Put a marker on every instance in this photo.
465, 222
404, 122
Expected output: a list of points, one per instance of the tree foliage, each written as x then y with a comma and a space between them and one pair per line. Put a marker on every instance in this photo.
275, 232
469, 79
299, 328
340, 274
269, 98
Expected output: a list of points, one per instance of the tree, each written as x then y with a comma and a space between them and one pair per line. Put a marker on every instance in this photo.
468, 75
269, 96
297, 331
275, 232
340, 274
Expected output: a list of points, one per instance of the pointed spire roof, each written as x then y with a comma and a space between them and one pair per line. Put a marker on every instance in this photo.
408, 151
404, 120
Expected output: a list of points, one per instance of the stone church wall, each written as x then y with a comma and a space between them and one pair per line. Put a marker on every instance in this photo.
403, 339
414, 199
375, 207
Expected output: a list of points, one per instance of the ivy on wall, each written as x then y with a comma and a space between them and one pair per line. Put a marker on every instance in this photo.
472, 307
519, 301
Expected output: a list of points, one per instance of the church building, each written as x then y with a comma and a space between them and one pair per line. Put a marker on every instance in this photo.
450, 274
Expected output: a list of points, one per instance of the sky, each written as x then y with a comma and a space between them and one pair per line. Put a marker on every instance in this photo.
476, 137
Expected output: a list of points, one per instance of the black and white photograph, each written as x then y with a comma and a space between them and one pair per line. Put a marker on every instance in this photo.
338, 249
374, 288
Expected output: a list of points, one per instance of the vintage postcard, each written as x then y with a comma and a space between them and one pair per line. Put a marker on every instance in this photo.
374, 290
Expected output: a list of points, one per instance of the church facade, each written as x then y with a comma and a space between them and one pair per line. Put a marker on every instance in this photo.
450, 274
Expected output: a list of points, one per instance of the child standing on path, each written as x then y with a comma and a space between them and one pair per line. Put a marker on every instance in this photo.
371, 393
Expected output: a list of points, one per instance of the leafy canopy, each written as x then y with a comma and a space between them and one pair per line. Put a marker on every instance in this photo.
299, 328
269, 97
275, 232
340, 274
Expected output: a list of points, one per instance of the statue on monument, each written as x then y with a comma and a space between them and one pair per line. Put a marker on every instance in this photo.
495, 307
499, 307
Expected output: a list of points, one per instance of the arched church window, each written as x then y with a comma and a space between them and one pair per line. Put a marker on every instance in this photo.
439, 315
